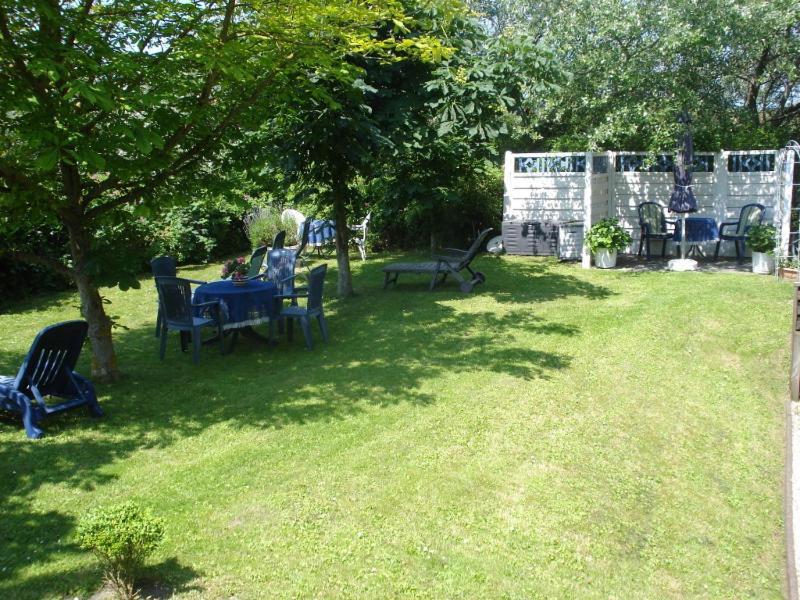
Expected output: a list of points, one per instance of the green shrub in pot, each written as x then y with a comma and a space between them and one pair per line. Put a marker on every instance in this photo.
762, 238
607, 233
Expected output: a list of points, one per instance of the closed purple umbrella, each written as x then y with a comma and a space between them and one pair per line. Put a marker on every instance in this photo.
682, 199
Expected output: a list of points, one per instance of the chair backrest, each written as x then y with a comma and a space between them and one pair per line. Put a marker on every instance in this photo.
280, 239
175, 298
280, 266
257, 261
164, 266
751, 214
365, 224
651, 218
305, 228
316, 281
52, 358
474, 248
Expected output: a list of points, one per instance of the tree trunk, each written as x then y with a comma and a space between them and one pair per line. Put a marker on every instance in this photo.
344, 284
104, 358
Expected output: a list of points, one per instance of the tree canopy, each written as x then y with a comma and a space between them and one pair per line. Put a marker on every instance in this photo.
108, 103
636, 64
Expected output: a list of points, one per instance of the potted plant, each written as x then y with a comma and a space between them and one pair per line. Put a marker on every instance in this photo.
236, 269
762, 239
604, 240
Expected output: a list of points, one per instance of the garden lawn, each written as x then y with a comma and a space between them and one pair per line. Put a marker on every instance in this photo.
558, 433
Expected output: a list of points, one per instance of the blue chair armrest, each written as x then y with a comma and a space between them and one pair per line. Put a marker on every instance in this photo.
197, 281
727, 224
290, 296
209, 303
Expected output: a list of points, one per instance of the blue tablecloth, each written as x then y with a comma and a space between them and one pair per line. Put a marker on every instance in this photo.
698, 229
321, 232
250, 304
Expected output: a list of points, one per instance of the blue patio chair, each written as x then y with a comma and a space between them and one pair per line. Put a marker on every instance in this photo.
312, 310
653, 226
281, 263
751, 214
166, 266
175, 299
49, 370
256, 262
305, 229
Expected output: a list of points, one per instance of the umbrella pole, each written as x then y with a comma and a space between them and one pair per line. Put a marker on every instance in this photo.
683, 237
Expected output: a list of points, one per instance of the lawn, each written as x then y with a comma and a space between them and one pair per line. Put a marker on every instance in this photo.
558, 433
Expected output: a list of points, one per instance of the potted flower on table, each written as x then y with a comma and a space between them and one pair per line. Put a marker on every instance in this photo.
237, 269
604, 240
762, 239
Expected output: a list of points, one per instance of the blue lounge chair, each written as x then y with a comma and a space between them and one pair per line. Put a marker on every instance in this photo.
48, 370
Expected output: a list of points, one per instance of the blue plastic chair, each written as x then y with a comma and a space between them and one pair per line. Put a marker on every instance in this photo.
256, 262
751, 214
166, 266
653, 226
49, 370
177, 308
312, 309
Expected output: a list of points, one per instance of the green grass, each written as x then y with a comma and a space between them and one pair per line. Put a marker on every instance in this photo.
558, 433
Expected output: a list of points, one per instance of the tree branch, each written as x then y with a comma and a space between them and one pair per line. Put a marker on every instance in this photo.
184, 159
45, 261
16, 57
85, 10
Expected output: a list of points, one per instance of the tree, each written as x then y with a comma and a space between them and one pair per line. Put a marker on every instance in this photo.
108, 102
456, 113
333, 132
636, 64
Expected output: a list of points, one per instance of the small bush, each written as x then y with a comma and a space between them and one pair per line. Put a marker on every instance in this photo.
762, 238
264, 223
122, 537
607, 233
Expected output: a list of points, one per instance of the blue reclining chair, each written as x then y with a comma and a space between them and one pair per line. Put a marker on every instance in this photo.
48, 370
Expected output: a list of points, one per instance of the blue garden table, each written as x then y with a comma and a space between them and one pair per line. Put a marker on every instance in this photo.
698, 231
241, 306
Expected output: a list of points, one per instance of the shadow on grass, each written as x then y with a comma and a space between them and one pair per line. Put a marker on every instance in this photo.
384, 348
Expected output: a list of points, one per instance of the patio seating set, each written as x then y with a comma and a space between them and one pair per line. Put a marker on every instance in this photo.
655, 226
229, 307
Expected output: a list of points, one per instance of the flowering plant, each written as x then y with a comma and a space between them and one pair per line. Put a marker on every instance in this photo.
235, 268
